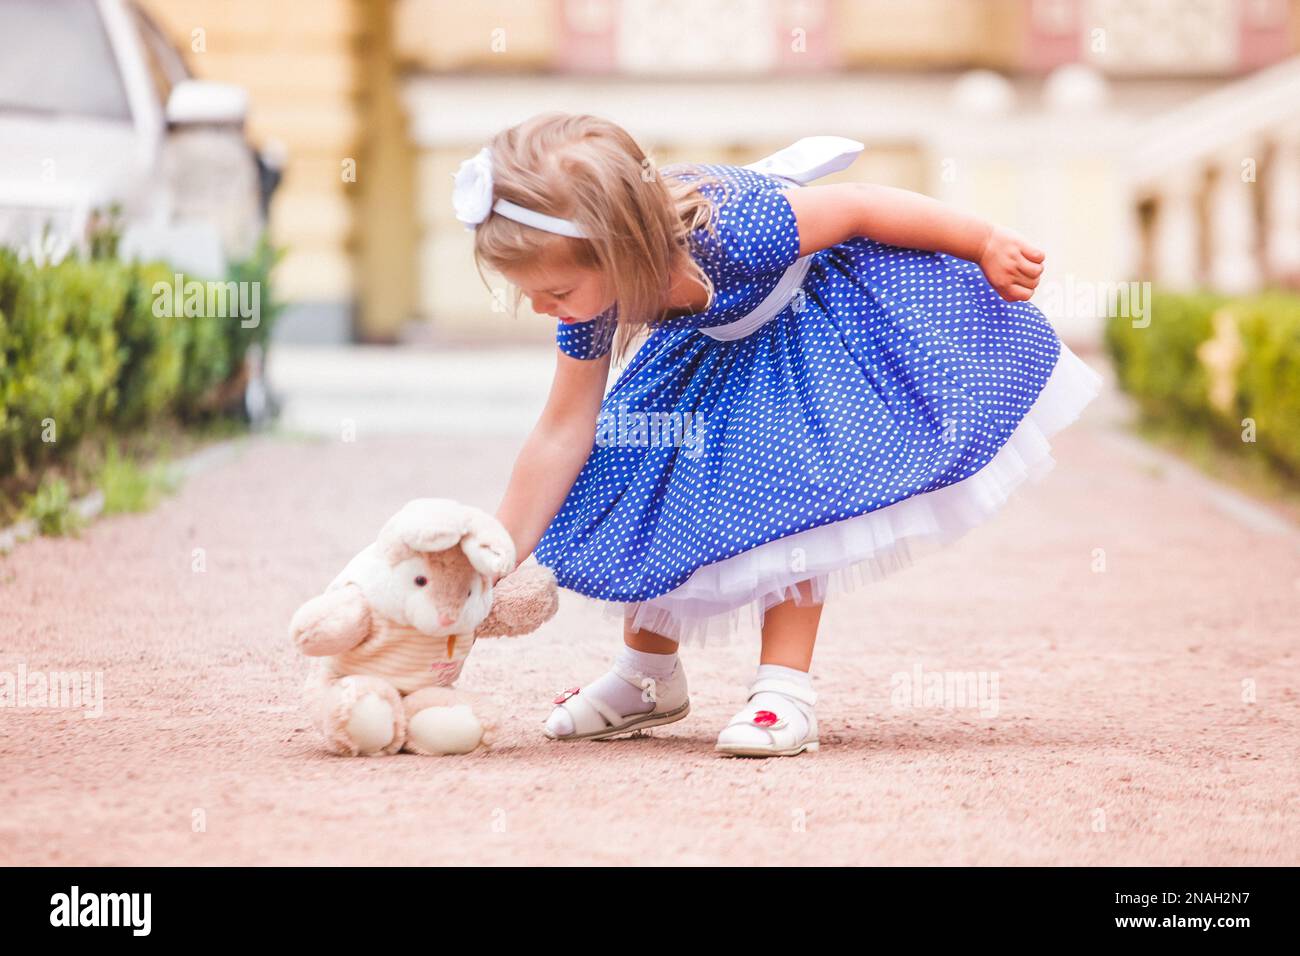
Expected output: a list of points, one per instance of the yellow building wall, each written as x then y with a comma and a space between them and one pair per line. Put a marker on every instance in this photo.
387, 234
487, 35
928, 34
304, 82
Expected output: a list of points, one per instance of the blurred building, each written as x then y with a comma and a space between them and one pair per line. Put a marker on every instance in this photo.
323, 88
1133, 139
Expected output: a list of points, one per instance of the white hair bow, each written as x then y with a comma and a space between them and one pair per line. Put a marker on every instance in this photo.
471, 195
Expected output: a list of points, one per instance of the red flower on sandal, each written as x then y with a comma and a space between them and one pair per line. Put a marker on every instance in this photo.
566, 695
765, 718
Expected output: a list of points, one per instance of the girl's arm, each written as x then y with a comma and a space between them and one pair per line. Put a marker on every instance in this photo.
828, 215
555, 451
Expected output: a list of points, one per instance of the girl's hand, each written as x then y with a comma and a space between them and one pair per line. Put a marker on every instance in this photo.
1011, 264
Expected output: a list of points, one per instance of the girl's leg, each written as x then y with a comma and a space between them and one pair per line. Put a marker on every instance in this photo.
789, 632
647, 641
779, 720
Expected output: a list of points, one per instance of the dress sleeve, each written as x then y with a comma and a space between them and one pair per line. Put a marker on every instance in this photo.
587, 340
756, 230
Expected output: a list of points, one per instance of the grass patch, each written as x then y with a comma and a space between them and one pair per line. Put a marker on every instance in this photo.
131, 469
50, 506
130, 487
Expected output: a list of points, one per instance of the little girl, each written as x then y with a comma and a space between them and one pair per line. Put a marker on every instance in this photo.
857, 369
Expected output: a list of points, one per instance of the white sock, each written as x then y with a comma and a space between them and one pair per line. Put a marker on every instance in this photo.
770, 699
617, 692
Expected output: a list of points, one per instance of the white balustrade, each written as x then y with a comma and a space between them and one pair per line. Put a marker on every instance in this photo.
1233, 223
1176, 231
1282, 192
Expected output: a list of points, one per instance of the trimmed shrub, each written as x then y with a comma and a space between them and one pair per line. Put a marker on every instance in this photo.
1217, 364
152, 351
1268, 383
61, 358
82, 348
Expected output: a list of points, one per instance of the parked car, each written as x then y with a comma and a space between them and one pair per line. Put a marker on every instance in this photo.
98, 109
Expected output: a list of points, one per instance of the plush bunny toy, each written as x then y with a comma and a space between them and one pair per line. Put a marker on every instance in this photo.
392, 631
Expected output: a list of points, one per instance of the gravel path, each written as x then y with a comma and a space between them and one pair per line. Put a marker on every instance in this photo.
1142, 635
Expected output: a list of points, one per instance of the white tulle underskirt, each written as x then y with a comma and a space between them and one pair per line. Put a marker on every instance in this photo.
813, 565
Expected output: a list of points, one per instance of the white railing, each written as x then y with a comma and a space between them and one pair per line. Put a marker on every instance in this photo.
1223, 176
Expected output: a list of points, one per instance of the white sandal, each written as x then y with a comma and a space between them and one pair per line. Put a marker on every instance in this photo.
781, 739
593, 719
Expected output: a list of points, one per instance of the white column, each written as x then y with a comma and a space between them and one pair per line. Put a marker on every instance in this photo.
1176, 230
1126, 251
1234, 262
1283, 197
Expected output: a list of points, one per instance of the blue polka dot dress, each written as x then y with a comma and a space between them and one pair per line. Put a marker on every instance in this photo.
894, 403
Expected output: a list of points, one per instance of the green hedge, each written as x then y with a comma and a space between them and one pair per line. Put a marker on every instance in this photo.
81, 346
1268, 384
61, 357
1212, 362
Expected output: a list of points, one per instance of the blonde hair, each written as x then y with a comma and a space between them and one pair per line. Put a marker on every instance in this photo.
639, 220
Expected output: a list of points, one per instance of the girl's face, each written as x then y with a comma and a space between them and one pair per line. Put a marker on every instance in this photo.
569, 293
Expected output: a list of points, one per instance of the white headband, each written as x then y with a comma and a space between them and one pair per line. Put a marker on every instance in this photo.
472, 197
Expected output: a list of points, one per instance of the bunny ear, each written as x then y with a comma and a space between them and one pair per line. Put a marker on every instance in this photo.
487, 544
424, 525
